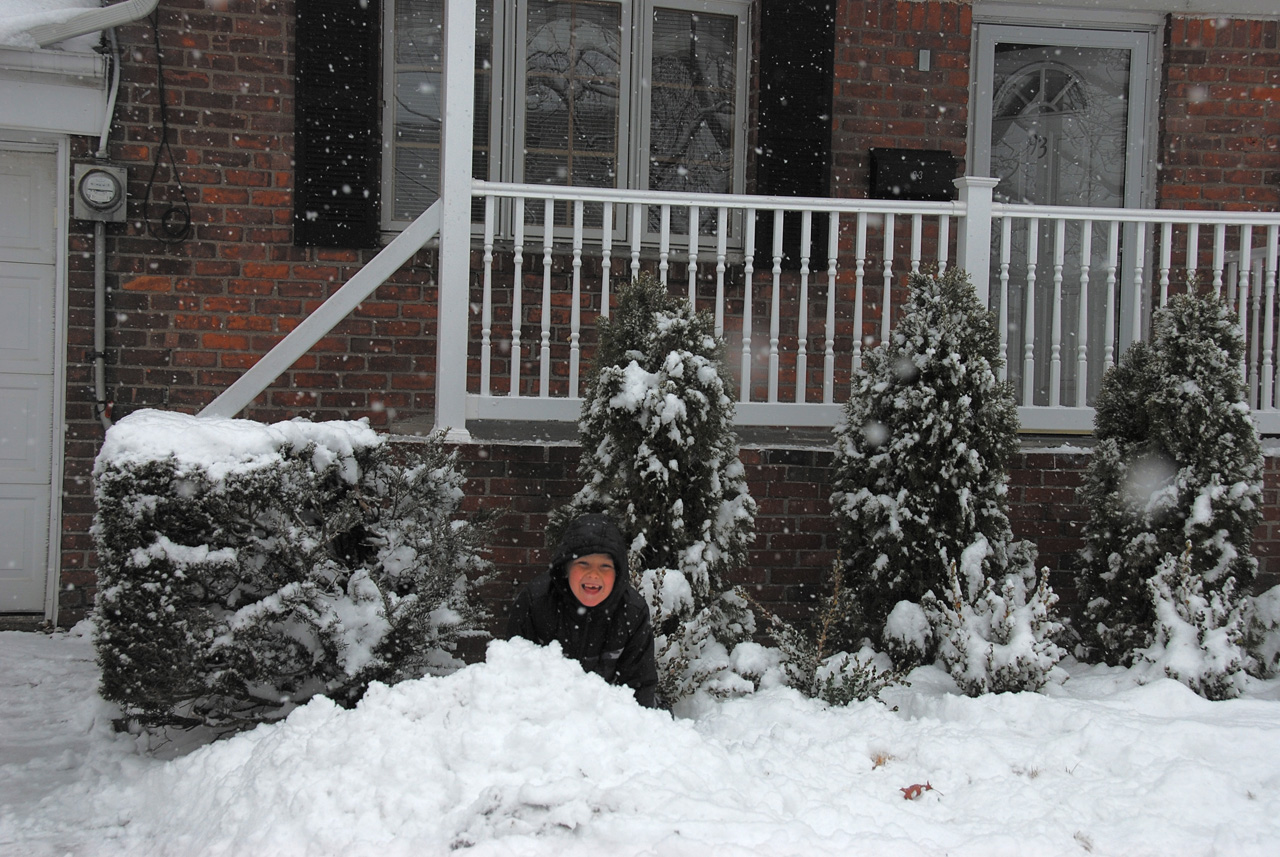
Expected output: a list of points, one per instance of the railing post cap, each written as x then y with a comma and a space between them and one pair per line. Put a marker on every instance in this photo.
975, 181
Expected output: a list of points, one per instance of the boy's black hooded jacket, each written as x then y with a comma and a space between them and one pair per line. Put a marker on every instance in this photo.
613, 639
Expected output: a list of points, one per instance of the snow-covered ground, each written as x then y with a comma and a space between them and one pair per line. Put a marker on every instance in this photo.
527, 755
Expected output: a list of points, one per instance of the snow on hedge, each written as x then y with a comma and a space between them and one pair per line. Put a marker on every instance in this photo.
245, 568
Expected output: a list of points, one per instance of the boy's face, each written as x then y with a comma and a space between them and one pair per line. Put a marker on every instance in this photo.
591, 578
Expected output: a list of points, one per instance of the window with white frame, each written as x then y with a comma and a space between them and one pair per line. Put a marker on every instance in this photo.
585, 93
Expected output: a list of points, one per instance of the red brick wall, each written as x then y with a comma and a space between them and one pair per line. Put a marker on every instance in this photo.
881, 99
795, 536
1220, 115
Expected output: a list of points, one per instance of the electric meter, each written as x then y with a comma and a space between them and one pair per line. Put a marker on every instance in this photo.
100, 192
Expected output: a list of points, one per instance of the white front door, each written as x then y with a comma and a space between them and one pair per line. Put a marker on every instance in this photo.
28, 273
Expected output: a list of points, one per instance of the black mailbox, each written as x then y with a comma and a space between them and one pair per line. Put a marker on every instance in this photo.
913, 174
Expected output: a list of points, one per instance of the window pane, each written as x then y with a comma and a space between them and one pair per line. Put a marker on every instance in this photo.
572, 80
692, 105
419, 54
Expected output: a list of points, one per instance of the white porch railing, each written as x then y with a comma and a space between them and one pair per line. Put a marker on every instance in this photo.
1072, 287
791, 332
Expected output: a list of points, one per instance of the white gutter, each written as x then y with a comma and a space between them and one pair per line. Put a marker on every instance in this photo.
91, 21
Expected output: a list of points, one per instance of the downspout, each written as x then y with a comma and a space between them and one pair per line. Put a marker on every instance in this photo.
101, 406
92, 20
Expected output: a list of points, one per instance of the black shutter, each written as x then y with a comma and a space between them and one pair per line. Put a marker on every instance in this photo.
337, 122
797, 65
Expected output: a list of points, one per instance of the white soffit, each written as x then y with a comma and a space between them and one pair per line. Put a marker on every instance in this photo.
52, 91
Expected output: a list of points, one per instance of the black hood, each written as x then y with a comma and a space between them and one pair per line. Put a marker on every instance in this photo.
590, 534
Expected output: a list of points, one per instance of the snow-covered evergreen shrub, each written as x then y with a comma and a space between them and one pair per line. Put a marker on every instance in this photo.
811, 666
994, 637
1197, 633
660, 456
245, 568
920, 485
1178, 460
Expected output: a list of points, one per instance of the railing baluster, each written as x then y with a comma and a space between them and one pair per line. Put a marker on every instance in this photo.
575, 311
486, 301
1139, 282
693, 257
1193, 253
775, 305
517, 294
917, 230
637, 223
664, 243
1082, 314
859, 286
829, 349
722, 252
944, 243
1269, 286
1219, 258
748, 274
1029, 323
802, 332
548, 239
1006, 252
1255, 341
606, 255
1166, 259
1055, 314
1245, 271
886, 303
1113, 265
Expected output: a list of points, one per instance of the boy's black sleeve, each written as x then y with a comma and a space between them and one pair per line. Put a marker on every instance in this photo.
520, 620
638, 666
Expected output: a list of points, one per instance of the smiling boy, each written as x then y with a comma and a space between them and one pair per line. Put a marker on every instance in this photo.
586, 603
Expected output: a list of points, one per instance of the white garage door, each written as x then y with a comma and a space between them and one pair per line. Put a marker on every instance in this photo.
27, 277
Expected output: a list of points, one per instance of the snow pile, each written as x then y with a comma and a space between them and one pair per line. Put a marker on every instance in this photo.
527, 755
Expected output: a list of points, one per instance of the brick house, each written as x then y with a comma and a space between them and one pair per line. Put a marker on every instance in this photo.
789, 161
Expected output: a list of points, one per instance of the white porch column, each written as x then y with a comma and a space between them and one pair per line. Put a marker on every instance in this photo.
973, 244
454, 275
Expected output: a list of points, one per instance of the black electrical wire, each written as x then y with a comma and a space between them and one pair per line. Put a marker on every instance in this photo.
175, 221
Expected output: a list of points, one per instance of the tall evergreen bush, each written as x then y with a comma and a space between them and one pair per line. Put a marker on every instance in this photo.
246, 568
1174, 490
931, 568
660, 456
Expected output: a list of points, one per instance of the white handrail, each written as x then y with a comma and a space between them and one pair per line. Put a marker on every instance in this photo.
314, 327
91, 21
511, 190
